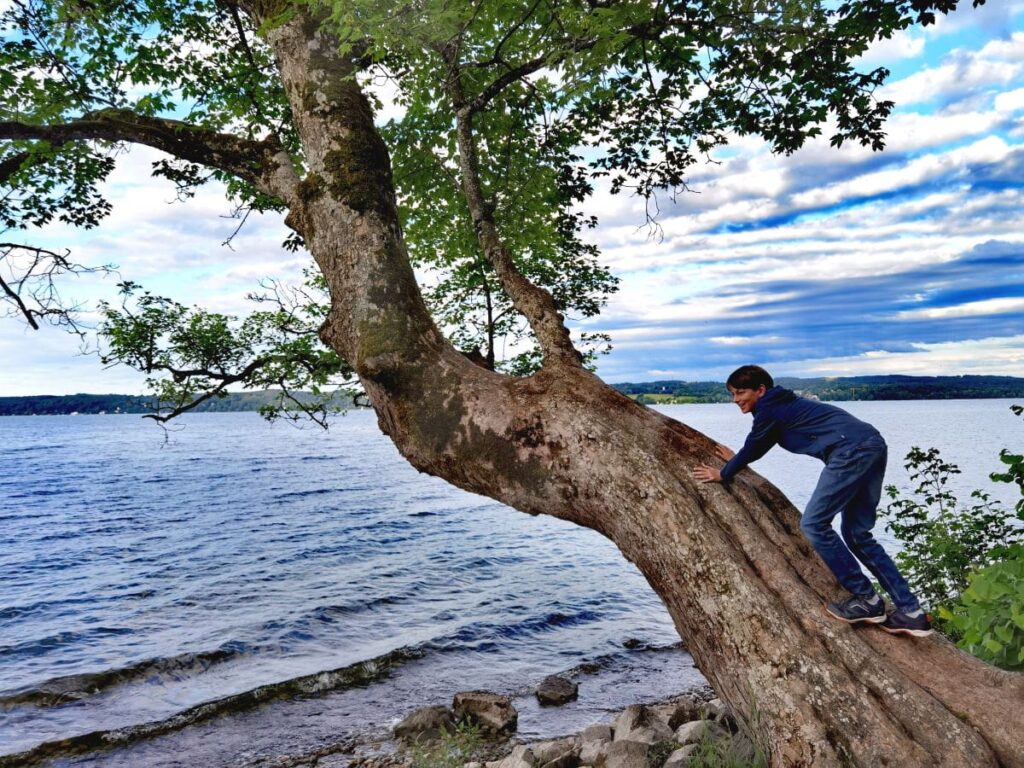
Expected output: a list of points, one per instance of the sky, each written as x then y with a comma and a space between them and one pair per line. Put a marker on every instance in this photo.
823, 263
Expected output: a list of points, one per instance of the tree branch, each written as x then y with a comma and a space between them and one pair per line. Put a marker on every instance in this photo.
533, 302
33, 278
224, 380
11, 164
263, 163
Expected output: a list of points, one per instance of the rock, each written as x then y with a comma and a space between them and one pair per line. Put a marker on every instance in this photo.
594, 752
663, 712
473, 765
696, 731
425, 724
568, 760
639, 723
716, 709
682, 757
494, 714
557, 690
684, 710
596, 733
626, 754
594, 744
563, 753
520, 757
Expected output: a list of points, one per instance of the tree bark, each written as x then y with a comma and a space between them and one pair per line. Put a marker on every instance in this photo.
742, 586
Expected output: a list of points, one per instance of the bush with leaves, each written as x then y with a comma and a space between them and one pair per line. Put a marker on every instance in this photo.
989, 615
943, 540
452, 750
944, 543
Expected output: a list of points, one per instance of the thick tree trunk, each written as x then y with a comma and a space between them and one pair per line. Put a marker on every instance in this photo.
743, 588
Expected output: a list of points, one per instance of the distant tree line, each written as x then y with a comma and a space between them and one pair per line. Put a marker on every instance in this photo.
838, 389
649, 392
51, 405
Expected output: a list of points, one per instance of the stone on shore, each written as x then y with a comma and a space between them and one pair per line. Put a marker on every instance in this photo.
425, 724
494, 714
699, 730
682, 757
716, 709
596, 733
640, 723
521, 756
561, 753
685, 709
626, 754
555, 690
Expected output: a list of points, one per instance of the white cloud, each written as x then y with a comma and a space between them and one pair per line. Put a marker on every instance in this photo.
970, 309
905, 44
998, 64
1010, 101
987, 356
991, 149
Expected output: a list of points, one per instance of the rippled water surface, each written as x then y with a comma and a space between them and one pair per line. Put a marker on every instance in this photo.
269, 588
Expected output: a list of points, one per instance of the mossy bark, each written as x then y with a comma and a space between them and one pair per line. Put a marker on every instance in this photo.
743, 588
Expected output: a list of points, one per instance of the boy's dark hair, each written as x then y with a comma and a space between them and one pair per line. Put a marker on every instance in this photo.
750, 377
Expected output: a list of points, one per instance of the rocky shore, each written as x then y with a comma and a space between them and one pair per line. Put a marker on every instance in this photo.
478, 730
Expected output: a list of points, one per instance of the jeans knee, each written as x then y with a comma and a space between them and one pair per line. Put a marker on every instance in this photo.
856, 540
814, 530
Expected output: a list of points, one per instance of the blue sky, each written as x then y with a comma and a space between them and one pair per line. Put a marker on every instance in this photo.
826, 262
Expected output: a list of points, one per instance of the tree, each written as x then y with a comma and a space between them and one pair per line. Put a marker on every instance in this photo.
268, 95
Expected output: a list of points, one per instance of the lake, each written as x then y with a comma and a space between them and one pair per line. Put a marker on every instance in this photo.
272, 588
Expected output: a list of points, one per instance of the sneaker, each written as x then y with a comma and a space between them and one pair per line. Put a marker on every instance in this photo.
857, 609
898, 623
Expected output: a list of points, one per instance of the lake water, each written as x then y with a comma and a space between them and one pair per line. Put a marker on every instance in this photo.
247, 591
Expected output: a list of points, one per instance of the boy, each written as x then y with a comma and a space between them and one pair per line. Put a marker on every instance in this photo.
850, 485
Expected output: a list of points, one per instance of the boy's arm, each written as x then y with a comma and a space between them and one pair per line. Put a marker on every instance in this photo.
763, 435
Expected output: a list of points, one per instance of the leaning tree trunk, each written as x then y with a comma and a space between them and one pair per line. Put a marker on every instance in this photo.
742, 586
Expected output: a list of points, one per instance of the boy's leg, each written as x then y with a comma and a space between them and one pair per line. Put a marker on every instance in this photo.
838, 484
857, 521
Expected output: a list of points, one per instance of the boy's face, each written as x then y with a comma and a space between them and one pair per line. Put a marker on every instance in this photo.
746, 399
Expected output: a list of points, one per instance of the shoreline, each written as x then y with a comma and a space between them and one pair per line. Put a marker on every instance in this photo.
380, 747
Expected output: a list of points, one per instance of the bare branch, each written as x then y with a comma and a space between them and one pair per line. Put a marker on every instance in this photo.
27, 279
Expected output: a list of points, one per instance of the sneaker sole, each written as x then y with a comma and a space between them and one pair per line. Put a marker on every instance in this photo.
865, 620
911, 632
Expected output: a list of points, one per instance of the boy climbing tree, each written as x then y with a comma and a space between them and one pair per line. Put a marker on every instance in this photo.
850, 486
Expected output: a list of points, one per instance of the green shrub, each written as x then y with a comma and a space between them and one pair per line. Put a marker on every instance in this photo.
989, 616
1014, 469
726, 752
943, 541
452, 750
965, 564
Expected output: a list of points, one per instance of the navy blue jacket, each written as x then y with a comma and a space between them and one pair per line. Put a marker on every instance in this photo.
798, 425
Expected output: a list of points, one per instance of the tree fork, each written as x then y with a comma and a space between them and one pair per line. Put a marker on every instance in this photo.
742, 586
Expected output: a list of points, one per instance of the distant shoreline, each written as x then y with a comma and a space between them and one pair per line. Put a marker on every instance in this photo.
838, 389
93, 405
667, 392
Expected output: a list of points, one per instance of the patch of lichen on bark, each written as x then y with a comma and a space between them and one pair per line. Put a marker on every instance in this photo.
357, 168
442, 425
359, 174
389, 334
310, 188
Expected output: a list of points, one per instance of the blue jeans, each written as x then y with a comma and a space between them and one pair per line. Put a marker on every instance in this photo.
850, 485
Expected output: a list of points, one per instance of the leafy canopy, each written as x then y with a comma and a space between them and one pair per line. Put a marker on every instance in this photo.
558, 95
